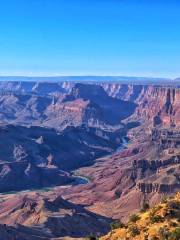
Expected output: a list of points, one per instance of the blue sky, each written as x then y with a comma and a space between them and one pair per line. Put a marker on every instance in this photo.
95, 37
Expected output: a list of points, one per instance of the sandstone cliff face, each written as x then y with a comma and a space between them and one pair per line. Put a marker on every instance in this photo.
126, 92
148, 188
163, 180
165, 168
166, 137
159, 104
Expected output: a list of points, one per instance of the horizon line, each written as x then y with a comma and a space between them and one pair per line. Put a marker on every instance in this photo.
87, 75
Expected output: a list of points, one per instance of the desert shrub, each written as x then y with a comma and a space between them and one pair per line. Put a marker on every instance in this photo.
164, 233
134, 231
153, 238
117, 194
146, 237
145, 229
164, 199
91, 237
174, 205
173, 210
134, 218
172, 224
172, 213
117, 224
154, 210
175, 235
156, 218
145, 207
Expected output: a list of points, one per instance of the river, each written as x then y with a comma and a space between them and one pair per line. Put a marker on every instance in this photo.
78, 179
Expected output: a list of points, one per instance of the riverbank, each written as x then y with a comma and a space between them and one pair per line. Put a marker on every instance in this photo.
77, 179
82, 179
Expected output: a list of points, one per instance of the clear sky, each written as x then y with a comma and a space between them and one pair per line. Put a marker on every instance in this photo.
87, 37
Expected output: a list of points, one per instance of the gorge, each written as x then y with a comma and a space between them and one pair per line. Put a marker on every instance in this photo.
123, 140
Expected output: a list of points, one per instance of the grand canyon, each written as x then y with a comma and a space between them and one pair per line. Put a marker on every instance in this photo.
76, 156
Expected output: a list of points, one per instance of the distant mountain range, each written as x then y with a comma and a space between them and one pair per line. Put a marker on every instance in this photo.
122, 79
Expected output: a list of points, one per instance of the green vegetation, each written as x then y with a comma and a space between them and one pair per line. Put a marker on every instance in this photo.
134, 218
164, 199
117, 224
91, 237
145, 207
156, 219
134, 230
175, 234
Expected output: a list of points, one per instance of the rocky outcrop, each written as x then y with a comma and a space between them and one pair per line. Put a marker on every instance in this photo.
160, 104
148, 188
154, 165
105, 109
164, 177
127, 92
51, 217
166, 137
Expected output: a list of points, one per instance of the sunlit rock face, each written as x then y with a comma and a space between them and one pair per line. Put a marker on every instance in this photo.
160, 103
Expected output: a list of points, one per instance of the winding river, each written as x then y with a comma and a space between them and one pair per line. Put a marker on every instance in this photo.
77, 179
84, 180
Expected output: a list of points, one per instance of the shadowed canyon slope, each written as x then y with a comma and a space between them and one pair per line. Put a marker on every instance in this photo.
49, 217
51, 107
36, 157
124, 139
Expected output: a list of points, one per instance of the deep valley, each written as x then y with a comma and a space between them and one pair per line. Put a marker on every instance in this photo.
76, 156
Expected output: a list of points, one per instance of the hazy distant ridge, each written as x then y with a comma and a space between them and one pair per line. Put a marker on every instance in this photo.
122, 79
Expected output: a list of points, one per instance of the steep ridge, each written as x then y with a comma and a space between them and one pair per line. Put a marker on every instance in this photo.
50, 216
111, 110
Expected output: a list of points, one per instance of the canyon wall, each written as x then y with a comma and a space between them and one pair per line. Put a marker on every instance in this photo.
159, 104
